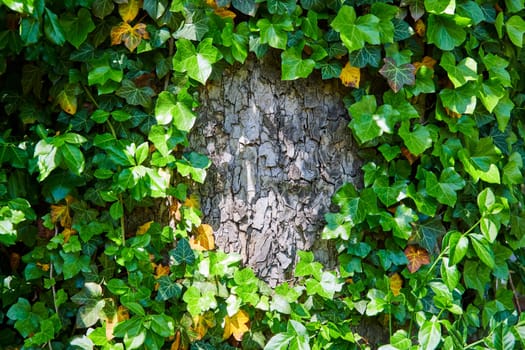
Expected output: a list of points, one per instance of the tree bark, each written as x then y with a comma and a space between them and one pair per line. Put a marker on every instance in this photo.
279, 151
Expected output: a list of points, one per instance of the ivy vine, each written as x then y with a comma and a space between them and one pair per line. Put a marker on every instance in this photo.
98, 98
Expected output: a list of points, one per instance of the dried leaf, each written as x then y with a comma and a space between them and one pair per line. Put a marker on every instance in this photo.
427, 61
122, 314
142, 229
417, 257
350, 76
128, 11
176, 343
161, 270
396, 282
174, 211
420, 28
221, 11
409, 156
201, 324
452, 114
236, 325
131, 36
43, 267
61, 213
68, 232
204, 239
193, 201
68, 102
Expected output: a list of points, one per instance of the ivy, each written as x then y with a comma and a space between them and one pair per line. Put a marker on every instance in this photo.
98, 98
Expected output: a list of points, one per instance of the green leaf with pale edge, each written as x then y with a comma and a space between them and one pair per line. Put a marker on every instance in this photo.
398, 75
444, 32
459, 74
183, 252
197, 62
429, 335
444, 190
515, 29
293, 66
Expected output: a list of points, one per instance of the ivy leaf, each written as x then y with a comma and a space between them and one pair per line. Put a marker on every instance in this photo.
131, 36
417, 257
398, 76
350, 76
444, 32
395, 283
102, 8
444, 190
294, 66
203, 239
73, 158
389, 194
275, 34
512, 171
155, 8
129, 9
248, 7
369, 122
355, 31
418, 140
76, 29
368, 55
461, 100
52, 28
68, 100
440, 6
236, 325
466, 70
169, 110
167, 289
196, 62
135, 95
416, 7
483, 250
183, 252
29, 30
515, 29
428, 232
429, 335
490, 93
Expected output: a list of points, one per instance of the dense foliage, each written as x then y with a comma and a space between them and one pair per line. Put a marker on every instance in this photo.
98, 97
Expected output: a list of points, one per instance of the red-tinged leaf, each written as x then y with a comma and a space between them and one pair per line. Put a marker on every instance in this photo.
398, 76
131, 36
417, 257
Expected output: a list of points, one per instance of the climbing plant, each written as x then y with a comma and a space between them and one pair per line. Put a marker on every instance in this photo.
98, 98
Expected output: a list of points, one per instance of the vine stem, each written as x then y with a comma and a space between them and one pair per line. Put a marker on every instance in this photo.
122, 221
53, 289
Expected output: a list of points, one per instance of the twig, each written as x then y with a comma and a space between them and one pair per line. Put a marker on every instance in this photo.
515, 293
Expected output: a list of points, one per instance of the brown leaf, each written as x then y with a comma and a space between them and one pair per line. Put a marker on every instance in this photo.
122, 313
201, 324
427, 61
128, 11
409, 156
221, 11
68, 232
131, 36
142, 229
417, 257
420, 28
61, 213
350, 76
236, 325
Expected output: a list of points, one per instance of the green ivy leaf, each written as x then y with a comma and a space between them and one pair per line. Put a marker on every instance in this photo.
459, 75
444, 190
483, 250
418, 140
398, 75
356, 31
444, 32
73, 158
512, 171
102, 8
389, 194
458, 246
29, 30
461, 100
275, 34
368, 55
135, 95
490, 93
369, 122
515, 29
101, 72
183, 253
169, 110
77, 28
197, 62
417, 8
294, 66
440, 6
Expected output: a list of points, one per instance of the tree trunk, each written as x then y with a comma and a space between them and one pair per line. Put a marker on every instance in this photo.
279, 150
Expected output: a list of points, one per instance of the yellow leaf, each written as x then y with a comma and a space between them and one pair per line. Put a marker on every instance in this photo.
43, 267
427, 61
395, 284
67, 101
350, 76
161, 270
68, 232
420, 28
236, 325
128, 11
176, 343
131, 36
193, 201
61, 213
142, 229
201, 324
204, 239
122, 314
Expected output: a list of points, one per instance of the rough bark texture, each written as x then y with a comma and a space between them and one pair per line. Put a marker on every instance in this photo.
279, 150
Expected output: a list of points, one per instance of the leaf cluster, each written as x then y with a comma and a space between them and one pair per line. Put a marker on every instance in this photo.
98, 98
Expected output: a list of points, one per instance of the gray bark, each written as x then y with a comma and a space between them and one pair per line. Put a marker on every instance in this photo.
279, 151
